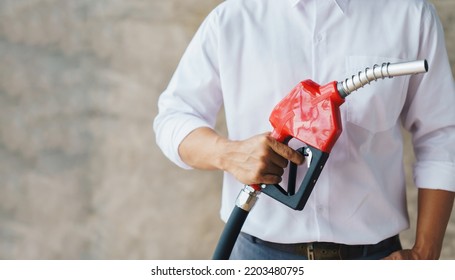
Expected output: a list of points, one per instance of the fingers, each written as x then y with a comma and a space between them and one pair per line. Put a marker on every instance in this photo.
394, 256
286, 152
272, 174
275, 159
266, 172
258, 160
403, 255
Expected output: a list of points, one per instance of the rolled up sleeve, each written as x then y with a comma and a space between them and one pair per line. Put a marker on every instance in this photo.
193, 96
429, 112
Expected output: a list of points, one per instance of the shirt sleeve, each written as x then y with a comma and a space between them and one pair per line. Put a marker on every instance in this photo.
429, 112
193, 96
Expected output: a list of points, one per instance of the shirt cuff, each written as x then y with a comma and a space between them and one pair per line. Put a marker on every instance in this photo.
435, 175
176, 130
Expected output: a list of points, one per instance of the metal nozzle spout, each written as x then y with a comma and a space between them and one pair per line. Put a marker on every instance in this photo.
388, 70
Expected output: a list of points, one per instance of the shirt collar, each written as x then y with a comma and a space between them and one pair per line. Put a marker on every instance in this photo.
342, 4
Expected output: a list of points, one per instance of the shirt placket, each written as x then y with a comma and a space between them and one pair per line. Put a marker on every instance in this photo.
321, 195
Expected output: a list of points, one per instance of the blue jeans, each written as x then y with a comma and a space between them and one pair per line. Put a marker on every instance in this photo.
246, 248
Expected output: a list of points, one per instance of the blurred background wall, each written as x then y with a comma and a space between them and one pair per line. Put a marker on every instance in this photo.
80, 174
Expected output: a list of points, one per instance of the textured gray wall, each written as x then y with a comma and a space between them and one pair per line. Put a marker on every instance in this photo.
80, 174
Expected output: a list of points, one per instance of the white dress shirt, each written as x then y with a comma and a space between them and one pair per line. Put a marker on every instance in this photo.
248, 54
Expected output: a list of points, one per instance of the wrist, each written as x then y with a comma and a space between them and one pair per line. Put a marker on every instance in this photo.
223, 153
427, 251
203, 149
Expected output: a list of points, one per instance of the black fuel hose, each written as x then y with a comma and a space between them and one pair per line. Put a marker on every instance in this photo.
230, 233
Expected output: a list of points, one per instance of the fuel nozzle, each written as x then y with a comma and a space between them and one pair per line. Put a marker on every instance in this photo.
386, 70
310, 113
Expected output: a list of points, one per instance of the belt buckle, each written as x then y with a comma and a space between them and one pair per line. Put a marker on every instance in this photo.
310, 251
322, 251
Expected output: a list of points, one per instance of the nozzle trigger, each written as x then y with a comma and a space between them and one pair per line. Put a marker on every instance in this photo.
308, 156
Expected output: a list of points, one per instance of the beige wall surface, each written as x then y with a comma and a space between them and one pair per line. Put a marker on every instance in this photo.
80, 174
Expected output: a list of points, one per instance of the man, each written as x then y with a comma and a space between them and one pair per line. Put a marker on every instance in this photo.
248, 54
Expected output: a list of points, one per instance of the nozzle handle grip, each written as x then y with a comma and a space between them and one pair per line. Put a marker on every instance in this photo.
297, 200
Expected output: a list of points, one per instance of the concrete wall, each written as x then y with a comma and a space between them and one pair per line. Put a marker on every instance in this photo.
80, 174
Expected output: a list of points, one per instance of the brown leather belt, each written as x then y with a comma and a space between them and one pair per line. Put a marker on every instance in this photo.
328, 250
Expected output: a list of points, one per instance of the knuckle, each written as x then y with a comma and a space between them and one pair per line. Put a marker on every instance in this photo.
264, 139
261, 167
287, 152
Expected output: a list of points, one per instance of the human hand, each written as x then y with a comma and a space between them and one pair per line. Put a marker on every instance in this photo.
412, 254
259, 160
408, 254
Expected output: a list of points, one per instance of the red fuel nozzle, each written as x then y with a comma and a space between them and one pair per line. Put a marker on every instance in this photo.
311, 114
